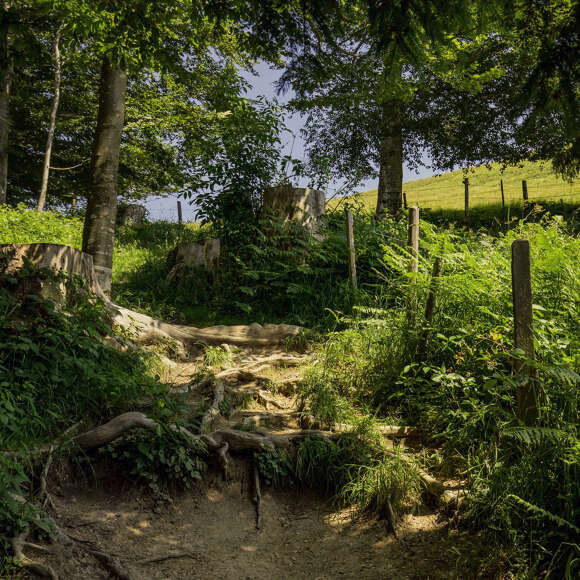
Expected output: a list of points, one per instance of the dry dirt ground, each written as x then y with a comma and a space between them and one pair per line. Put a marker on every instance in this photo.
211, 533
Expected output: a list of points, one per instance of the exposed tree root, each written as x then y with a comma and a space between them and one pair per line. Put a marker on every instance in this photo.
113, 565
237, 442
110, 563
149, 330
211, 414
257, 499
433, 486
391, 518
33, 566
144, 328
168, 557
274, 360
47, 499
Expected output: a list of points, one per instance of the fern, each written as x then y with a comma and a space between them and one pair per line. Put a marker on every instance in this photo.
537, 435
542, 513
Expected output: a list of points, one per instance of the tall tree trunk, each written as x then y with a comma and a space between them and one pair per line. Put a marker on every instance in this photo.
99, 227
5, 82
390, 160
52, 120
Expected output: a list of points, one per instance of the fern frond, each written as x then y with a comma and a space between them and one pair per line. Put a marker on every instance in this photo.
536, 435
542, 513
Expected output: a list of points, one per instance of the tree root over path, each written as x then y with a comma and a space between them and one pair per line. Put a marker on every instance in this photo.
19, 542
144, 328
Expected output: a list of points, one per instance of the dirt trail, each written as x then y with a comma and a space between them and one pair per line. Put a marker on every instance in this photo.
211, 532
302, 538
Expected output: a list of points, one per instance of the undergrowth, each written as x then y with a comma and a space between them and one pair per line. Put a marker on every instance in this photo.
453, 377
59, 367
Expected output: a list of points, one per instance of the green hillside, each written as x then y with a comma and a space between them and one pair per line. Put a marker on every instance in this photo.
447, 191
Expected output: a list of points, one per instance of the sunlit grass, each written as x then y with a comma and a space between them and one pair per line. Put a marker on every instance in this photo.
447, 191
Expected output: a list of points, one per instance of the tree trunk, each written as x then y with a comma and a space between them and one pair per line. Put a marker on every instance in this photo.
99, 227
5, 82
390, 161
52, 120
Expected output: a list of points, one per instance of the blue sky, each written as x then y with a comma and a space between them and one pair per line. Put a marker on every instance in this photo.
263, 84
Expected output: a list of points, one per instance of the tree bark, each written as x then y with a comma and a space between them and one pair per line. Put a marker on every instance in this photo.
390, 160
52, 120
5, 83
99, 226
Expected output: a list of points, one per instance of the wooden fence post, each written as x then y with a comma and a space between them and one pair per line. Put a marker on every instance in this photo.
525, 195
413, 239
350, 245
523, 330
405, 199
179, 214
431, 303
502, 195
413, 266
466, 183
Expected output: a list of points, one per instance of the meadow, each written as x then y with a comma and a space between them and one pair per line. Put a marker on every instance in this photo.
446, 191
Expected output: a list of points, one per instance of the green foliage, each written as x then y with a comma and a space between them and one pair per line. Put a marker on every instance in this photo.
216, 357
240, 157
162, 458
276, 467
457, 383
330, 465
20, 225
15, 515
392, 480
56, 366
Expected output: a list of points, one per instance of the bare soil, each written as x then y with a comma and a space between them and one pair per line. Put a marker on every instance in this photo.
212, 531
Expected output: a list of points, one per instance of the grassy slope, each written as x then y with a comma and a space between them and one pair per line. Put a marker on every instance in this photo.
134, 247
447, 192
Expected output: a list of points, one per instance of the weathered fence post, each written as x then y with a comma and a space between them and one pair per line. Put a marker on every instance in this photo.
431, 303
413, 239
413, 266
405, 199
525, 195
350, 245
502, 195
432, 297
523, 330
466, 184
179, 214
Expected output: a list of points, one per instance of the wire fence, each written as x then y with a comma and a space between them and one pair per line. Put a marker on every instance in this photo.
453, 197
443, 196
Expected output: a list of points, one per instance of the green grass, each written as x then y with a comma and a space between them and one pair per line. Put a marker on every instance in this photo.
447, 191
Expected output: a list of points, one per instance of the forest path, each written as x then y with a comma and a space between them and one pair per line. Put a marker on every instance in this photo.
210, 532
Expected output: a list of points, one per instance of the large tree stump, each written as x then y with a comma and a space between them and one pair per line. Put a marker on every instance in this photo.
130, 214
53, 256
203, 254
304, 205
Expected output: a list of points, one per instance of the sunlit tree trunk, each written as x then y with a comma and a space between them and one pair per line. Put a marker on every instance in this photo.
99, 226
390, 160
52, 120
5, 82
